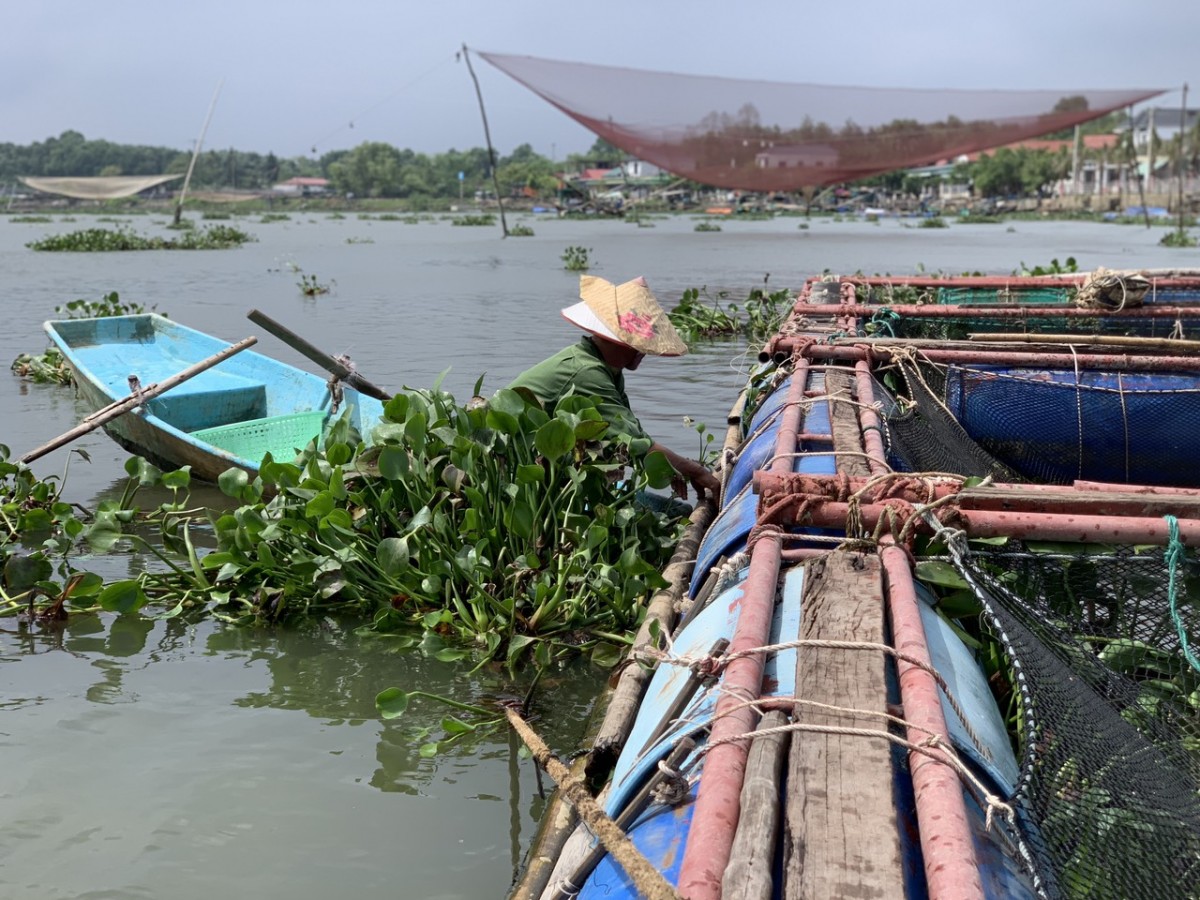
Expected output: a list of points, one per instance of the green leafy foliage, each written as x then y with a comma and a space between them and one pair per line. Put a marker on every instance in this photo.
476, 221
700, 315
576, 258
48, 368
109, 304
1054, 268
1177, 238
497, 524
311, 286
101, 240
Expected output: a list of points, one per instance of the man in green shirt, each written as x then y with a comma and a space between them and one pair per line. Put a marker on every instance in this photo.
625, 323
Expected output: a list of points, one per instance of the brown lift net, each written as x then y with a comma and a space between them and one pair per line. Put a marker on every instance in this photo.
773, 136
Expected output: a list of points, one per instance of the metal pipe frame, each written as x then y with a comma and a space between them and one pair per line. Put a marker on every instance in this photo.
805, 347
718, 801
951, 869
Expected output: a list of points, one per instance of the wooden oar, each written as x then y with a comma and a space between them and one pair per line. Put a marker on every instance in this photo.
136, 399
320, 357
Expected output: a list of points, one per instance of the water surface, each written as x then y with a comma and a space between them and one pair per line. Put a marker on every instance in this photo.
151, 759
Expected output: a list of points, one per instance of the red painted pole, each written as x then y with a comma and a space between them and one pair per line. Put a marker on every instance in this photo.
718, 802
790, 420
992, 311
788, 346
872, 431
1080, 529
945, 831
1178, 278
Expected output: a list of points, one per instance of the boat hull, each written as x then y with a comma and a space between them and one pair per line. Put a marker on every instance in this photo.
187, 425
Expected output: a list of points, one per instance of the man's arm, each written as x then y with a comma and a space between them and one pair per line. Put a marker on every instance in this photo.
701, 478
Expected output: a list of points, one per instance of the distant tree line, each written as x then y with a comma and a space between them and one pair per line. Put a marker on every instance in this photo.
372, 169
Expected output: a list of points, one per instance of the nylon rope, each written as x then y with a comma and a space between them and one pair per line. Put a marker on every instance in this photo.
1174, 557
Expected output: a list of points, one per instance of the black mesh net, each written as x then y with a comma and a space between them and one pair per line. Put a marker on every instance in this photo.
922, 436
1095, 671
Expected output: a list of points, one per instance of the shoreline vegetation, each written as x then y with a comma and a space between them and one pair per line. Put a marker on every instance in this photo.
262, 210
380, 178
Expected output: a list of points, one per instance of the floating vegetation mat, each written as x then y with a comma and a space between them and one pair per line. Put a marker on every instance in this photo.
101, 240
494, 530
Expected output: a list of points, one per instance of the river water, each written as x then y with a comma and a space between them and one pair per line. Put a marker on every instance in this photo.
149, 759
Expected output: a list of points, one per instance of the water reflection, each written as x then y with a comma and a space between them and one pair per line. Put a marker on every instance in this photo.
209, 748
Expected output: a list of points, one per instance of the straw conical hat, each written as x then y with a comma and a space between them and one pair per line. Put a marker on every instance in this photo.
626, 313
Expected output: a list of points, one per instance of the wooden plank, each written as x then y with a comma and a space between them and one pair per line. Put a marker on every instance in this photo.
843, 421
750, 874
840, 831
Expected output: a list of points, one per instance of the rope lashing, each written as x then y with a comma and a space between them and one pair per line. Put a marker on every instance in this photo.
714, 665
883, 320
934, 746
1175, 555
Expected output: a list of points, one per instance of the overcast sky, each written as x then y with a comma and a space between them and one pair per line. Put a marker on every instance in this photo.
296, 74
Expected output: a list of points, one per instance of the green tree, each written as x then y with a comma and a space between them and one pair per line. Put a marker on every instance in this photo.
372, 169
1015, 172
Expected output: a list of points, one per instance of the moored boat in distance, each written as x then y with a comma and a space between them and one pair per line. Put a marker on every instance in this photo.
228, 416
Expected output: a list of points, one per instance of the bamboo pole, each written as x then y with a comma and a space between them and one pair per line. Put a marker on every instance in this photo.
196, 151
650, 882
136, 399
750, 873
618, 719
1182, 142
487, 134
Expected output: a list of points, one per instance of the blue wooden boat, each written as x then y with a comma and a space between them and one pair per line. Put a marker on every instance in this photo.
228, 416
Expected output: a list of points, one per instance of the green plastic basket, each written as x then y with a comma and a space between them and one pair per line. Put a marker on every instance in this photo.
281, 436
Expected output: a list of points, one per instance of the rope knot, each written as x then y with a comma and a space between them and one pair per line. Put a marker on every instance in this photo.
672, 789
708, 668
763, 529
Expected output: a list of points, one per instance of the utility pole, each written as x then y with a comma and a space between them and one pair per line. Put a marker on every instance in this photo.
1182, 142
1075, 162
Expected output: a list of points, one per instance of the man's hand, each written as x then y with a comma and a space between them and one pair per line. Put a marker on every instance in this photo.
704, 482
679, 485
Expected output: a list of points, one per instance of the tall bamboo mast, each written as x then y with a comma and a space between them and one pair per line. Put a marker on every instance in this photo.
187, 179
488, 137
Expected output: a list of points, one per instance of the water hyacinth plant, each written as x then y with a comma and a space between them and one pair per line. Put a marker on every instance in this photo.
700, 315
99, 240
495, 526
48, 368
575, 258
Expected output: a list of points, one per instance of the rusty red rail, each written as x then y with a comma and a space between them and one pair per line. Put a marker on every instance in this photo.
945, 831
718, 801
1081, 498
997, 311
783, 347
